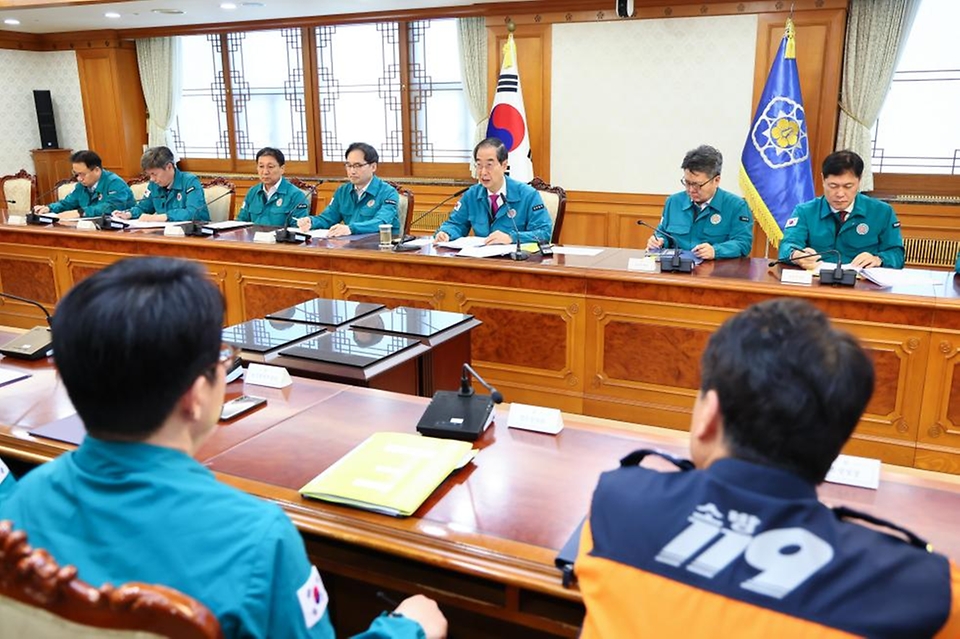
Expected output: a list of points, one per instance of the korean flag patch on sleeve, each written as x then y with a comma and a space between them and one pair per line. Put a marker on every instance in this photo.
4, 471
791, 222
313, 598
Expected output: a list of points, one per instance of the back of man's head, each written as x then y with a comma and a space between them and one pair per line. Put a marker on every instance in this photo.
791, 387
131, 339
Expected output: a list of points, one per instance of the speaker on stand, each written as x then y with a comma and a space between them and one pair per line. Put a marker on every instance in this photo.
625, 8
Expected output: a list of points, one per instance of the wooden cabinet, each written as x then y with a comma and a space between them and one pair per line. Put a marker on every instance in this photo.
51, 165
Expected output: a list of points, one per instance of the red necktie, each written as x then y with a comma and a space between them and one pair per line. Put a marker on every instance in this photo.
493, 206
843, 216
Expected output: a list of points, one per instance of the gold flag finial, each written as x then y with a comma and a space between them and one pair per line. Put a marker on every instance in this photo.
791, 52
509, 51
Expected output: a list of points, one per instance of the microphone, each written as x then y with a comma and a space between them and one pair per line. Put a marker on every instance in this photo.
519, 255
837, 276
402, 245
285, 235
106, 221
676, 264
35, 343
462, 414
194, 228
42, 218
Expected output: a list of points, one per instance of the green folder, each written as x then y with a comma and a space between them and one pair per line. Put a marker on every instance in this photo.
390, 473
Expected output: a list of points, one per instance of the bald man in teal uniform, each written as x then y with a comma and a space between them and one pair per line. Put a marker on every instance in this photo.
865, 231
274, 201
131, 503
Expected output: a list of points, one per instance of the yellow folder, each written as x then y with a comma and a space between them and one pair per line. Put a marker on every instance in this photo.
390, 473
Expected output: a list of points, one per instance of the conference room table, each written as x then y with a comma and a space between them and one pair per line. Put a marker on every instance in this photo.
484, 543
583, 331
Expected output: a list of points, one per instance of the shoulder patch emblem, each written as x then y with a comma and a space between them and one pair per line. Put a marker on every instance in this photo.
191, 189
302, 206
537, 207
370, 204
389, 201
896, 225
111, 192
280, 201
791, 222
744, 218
459, 204
179, 196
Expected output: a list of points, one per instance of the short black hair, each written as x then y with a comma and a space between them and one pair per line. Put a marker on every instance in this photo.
369, 153
840, 162
88, 158
270, 151
157, 157
791, 387
703, 159
131, 339
494, 143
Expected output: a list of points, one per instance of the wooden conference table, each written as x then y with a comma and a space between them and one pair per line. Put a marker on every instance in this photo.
483, 545
583, 333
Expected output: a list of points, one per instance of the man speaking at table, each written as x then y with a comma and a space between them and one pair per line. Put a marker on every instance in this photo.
97, 191
865, 231
138, 348
740, 545
703, 218
491, 207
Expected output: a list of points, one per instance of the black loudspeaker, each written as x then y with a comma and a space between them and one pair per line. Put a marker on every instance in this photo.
48, 127
625, 8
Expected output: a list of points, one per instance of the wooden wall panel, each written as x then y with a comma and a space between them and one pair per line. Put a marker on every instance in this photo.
938, 439
261, 291
385, 291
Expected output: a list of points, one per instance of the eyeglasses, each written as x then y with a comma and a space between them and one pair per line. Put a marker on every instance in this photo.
485, 165
693, 185
229, 356
355, 167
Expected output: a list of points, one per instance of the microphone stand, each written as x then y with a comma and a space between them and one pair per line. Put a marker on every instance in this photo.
402, 245
837, 276
676, 264
195, 229
519, 255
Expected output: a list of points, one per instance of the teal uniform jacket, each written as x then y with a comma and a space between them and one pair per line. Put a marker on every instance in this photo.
726, 223
124, 512
110, 194
377, 206
288, 200
7, 481
183, 201
473, 212
872, 227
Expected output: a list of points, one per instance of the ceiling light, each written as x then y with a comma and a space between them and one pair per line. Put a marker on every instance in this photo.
253, 4
228, 5
113, 15
169, 12
11, 21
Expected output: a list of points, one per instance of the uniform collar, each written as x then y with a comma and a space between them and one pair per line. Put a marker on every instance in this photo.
373, 187
766, 480
826, 211
178, 180
119, 459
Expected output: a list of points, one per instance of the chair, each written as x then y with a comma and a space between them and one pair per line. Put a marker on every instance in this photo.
139, 186
220, 204
310, 190
65, 187
555, 199
40, 599
404, 206
19, 192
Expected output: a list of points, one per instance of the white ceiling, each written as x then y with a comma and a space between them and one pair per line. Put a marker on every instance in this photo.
136, 14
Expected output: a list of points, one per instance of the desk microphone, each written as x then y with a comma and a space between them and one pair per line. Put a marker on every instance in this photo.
106, 222
837, 276
677, 264
402, 245
35, 343
462, 414
42, 218
285, 235
194, 228
519, 255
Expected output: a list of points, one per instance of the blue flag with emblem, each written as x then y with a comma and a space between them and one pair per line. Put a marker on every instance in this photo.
775, 172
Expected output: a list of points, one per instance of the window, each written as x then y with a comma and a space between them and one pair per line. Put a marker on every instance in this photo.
916, 132
312, 92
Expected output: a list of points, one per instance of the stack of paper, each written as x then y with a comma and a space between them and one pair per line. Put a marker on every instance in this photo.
390, 473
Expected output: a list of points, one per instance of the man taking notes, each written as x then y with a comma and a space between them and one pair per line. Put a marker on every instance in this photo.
360, 205
97, 191
274, 200
138, 348
491, 207
740, 545
173, 196
865, 231
703, 218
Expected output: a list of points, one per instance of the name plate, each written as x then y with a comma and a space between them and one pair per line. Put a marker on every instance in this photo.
174, 231
796, 276
535, 418
16, 220
643, 264
269, 376
265, 237
86, 225
862, 472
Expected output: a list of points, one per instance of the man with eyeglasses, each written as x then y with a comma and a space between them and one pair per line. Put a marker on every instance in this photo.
492, 206
138, 348
173, 195
865, 231
703, 218
360, 205
274, 200
97, 191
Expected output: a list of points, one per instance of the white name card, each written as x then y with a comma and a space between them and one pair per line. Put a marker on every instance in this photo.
861, 472
796, 276
270, 376
174, 231
265, 237
643, 264
86, 225
535, 418
17, 220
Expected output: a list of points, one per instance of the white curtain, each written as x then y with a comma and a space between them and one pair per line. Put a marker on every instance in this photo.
161, 76
876, 32
472, 38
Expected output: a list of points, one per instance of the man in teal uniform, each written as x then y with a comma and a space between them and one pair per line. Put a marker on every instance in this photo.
97, 191
360, 205
865, 231
492, 206
703, 218
131, 504
7, 481
274, 201
173, 196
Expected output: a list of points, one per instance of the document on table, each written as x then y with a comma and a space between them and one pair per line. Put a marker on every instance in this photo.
586, 251
467, 241
491, 250
317, 234
10, 375
228, 225
137, 224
